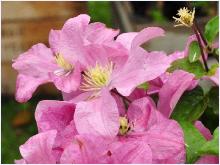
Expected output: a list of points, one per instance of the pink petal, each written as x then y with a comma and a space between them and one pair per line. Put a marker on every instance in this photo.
38, 149
203, 130
98, 33
53, 115
156, 84
208, 159
131, 151
142, 114
140, 68
120, 104
37, 62
79, 23
56, 115
21, 161
76, 96
26, 86
176, 56
178, 158
85, 149
137, 93
70, 82
67, 135
126, 39
96, 54
69, 96
69, 40
166, 139
33, 67
98, 116
172, 90
146, 35
81, 97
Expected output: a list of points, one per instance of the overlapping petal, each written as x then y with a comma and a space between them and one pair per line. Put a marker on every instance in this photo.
164, 137
128, 151
139, 69
56, 115
38, 149
98, 116
172, 90
85, 149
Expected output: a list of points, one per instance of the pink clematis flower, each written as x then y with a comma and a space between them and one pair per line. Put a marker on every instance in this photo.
143, 130
155, 138
56, 129
206, 159
62, 64
103, 75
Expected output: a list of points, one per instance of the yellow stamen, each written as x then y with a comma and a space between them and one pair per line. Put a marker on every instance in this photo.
97, 77
124, 125
63, 63
186, 17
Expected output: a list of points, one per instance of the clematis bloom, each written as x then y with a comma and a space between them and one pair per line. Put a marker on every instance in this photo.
62, 64
103, 75
142, 130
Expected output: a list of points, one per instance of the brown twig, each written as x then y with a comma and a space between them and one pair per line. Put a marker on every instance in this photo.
201, 47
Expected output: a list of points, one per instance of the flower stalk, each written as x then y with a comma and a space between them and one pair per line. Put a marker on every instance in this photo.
200, 46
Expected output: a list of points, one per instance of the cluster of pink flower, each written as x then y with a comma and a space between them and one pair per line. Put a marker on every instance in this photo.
105, 116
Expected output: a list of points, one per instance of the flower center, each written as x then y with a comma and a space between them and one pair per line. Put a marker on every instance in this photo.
124, 125
65, 66
97, 77
186, 17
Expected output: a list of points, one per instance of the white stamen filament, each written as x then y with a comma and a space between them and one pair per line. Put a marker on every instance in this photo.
97, 77
65, 67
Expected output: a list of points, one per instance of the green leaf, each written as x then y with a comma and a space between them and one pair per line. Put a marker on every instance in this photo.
144, 86
213, 103
191, 105
193, 140
196, 68
212, 29
194, 52
211, 147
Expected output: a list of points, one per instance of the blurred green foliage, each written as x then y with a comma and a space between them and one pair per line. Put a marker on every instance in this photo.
14, 134
100, 11
157, 16
12, 137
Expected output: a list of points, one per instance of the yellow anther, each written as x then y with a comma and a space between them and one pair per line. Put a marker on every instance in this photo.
97, 77
63, 63
186, 17
124, 125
